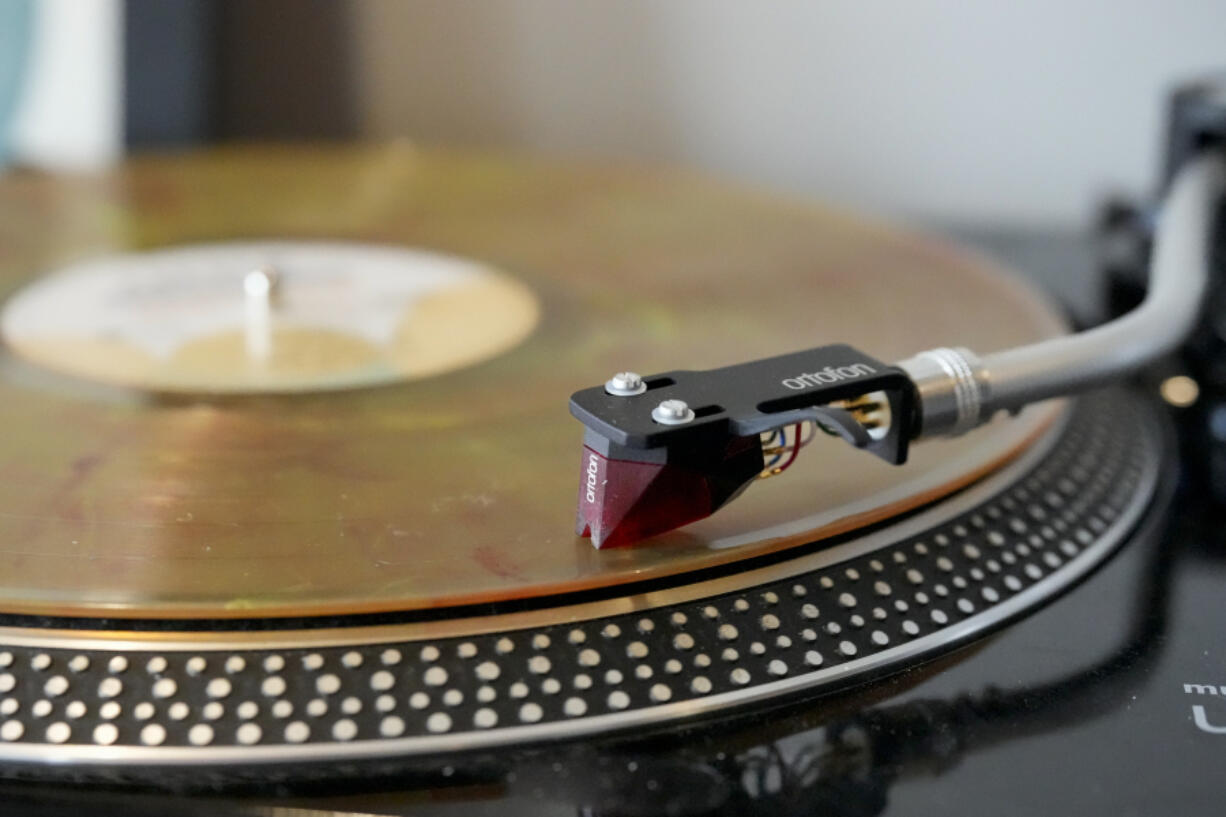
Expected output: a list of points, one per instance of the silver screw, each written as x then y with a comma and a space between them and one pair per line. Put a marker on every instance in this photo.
625, 384
672, 413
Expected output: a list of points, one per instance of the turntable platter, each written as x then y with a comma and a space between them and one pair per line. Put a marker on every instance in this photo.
455, 485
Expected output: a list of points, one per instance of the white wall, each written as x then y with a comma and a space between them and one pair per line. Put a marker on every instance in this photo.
937, 109
70, 112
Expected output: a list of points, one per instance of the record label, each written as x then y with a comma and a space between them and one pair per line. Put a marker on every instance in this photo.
268, 317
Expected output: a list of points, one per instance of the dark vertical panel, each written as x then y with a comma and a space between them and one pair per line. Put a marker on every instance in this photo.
285, 70
168, 72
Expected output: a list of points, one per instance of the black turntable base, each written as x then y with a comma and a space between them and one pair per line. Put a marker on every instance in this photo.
1019, 722
323, 561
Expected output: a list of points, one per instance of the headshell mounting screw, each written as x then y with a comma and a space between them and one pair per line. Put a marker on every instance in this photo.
672, 413
625, 384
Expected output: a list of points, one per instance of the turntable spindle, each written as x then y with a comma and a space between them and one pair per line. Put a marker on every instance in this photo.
259, 287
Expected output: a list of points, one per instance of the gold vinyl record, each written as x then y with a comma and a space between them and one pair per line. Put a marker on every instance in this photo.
317, 381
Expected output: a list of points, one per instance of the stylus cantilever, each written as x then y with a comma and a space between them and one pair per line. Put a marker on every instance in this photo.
958, 390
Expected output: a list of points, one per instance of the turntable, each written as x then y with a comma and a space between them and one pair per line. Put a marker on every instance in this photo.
289, 489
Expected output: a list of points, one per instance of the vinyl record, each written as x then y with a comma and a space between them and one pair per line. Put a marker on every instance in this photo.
394, 434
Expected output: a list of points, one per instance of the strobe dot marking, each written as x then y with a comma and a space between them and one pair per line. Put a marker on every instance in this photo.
248, 734
153, 734
56, 685
660, 693
200, 735
218, 688
297, 732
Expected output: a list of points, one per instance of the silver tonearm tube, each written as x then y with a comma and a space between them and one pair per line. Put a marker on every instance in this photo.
959, 390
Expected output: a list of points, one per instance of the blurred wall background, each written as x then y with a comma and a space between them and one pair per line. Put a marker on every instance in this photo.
930, 109
940, 109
